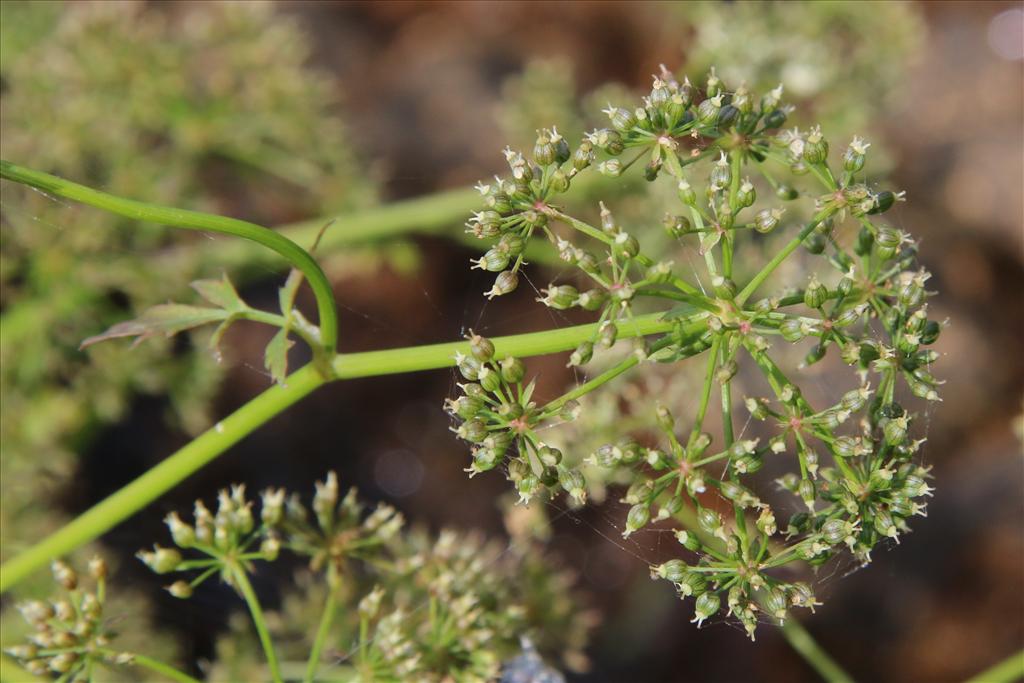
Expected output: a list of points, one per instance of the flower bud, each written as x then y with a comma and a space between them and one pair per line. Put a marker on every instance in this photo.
725, 288
622, 119
707, 111
883, 201
625, 246
766, 522
480, 347
184, 536
64, 575
97, 568
707, 606
499, 203
473, 431
786, 192
885, 525
582, 355
775, 119
369, 606
607, 334
673, 570
747, 195
570, 411
749, 463
895, 430
709, 520
573, 483
180, 589
506, 282
686, 193
510, 410
688, 540
726, 371
792, 330
638, 517
611, 168
270, 548
807, 492
738, 494
484, 459
558, 181
887, 241
815, 147
513, 370
63, 662
816, 294
853, 157
767, 220
721, 174
161, 560
665, 419
583, 156
543, 149
325, 500
559, 297
592, 299
35, 611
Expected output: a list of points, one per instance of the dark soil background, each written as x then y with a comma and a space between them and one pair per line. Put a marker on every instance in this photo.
421, 82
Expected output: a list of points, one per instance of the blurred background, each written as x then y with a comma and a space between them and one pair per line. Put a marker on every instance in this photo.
289, 112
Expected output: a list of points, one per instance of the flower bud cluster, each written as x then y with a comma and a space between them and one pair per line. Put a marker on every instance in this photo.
68, 635
339, 528
851, 468
498, 416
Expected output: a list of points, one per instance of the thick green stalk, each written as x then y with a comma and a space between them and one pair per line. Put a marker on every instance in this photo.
238, 575
119, 506
395, 361
193, 220
801, 641
1007, 671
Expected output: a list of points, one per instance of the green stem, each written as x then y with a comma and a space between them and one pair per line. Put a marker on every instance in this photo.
119, 506
193, 220
430, 215
242, 581
161, 478
321, 634
643, 260
156, 666
1007, 671
801, 641
770, 267
705, 395
412, 359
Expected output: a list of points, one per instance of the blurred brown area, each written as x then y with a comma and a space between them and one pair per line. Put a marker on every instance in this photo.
421, 82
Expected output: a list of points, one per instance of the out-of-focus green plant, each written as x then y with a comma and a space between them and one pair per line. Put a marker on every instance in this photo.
376, 603
209, 103
843, 62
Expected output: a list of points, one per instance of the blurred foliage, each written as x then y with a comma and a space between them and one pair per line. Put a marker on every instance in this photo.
842, 62
207, 106
447, 607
